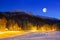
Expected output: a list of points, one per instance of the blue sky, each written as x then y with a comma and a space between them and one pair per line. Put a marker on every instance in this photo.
34, 6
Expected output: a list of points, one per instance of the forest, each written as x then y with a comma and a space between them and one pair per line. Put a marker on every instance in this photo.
17, 21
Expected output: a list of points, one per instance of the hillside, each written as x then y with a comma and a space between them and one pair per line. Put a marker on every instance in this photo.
25, 20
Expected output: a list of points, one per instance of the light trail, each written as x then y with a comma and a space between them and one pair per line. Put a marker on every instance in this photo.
6, 34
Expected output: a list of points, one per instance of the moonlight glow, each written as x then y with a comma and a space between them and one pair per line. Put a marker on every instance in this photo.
44, 9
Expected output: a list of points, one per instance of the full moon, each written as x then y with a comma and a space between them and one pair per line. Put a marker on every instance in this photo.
44, 10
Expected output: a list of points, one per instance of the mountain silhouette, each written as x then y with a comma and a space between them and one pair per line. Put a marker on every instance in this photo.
21, 17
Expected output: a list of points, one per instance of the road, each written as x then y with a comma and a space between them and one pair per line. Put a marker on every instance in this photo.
36, 36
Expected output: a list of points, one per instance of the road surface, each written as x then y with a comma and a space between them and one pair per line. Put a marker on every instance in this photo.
36, 36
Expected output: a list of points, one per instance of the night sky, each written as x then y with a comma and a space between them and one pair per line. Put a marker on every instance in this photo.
34, 6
